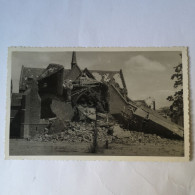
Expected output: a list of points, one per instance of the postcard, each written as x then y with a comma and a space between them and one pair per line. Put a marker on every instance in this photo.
126, 104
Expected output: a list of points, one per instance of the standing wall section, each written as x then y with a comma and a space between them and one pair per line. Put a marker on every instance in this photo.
31, 109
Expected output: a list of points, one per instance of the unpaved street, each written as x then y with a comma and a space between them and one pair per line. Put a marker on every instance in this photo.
24, 147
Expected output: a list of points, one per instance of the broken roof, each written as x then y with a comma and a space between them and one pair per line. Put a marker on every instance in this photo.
39, 73
28, 72
157, 118
51, 69
142, 111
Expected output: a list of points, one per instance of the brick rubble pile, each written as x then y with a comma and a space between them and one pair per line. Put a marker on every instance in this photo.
76, 132
84, 132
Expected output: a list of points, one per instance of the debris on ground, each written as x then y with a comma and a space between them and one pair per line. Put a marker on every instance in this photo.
82, 131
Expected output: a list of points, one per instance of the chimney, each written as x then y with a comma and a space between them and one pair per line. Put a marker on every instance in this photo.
154, 105
74, 60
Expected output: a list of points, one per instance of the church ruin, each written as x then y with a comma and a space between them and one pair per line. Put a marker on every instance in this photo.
80, 95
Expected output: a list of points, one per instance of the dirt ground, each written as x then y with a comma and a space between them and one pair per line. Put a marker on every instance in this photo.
21, 147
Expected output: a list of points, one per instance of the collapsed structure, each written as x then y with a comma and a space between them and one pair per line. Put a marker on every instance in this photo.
80, 95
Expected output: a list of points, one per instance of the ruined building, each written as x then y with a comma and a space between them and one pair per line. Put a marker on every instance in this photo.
75, 95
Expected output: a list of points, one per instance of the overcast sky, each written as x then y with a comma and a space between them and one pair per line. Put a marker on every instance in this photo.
147, 74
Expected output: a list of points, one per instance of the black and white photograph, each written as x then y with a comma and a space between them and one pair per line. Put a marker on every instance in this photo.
98, 102
97, 97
